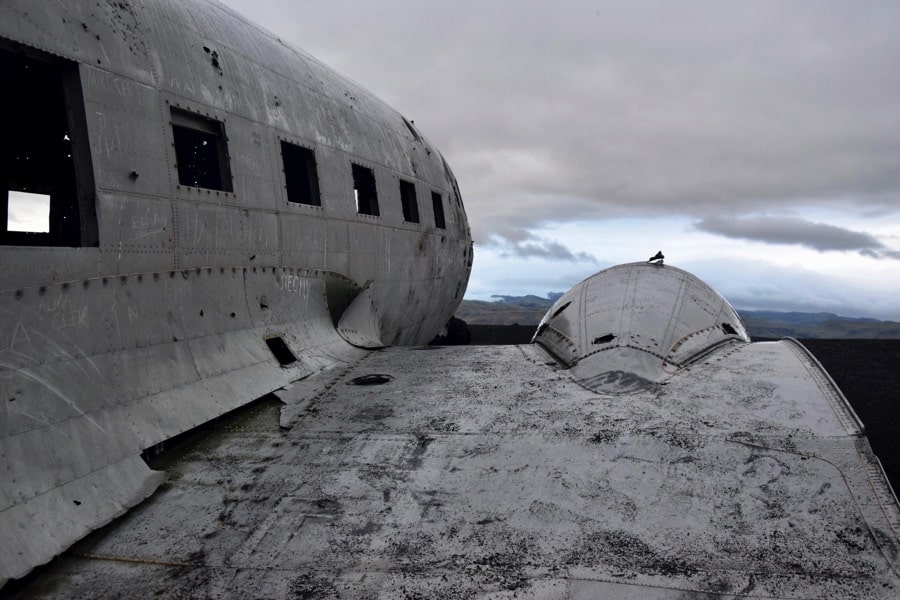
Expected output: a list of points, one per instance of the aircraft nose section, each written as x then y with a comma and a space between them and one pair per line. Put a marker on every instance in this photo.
634, 325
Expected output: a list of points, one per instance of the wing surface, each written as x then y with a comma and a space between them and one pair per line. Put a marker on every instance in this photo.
491, 472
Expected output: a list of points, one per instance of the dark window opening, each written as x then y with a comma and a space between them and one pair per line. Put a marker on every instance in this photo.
45, 162
300, 175
408, 200
437, 203
560, 309
728, 329
201, 151
364, 191
281, 351
604, 339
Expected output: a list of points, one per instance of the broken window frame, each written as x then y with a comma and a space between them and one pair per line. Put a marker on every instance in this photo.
214, 172
437, 207
301, 176
409, 202
67, 182
365, 191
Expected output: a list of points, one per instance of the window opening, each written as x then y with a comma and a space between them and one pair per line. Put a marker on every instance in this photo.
408, 199
437, 203
727, 329
46, 178
560, 309
364, 191
201, 151
604, 339
300, 175
281, 351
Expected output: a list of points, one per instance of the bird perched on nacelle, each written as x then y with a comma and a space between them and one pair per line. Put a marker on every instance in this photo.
657, 259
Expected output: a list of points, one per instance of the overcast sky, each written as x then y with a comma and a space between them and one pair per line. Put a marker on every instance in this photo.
757, 144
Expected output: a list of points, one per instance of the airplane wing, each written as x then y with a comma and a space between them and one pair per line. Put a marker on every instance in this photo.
734, 469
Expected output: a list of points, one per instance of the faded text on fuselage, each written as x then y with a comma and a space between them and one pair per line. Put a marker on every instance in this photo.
294, 284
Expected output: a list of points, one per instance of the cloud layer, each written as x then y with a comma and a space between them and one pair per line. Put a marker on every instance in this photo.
528, 245
596, 109
788, 230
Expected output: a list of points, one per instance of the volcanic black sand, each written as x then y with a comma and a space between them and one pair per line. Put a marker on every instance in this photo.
867, 371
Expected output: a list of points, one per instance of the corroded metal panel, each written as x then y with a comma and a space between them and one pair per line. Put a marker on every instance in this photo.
121, 117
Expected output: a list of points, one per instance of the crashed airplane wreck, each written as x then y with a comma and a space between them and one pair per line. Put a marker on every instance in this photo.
226, 220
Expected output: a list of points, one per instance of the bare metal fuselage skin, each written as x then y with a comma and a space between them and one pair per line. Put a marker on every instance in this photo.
182, 275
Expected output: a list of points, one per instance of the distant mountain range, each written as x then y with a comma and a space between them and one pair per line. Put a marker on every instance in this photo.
528, 310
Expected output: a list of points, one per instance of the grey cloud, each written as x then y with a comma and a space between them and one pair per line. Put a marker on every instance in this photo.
789, 230
527, 245
894, 254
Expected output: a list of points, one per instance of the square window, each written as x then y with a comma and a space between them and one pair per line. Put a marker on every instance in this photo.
437, 203
408, 200
300, 175
364, 191
46, 178
201, 151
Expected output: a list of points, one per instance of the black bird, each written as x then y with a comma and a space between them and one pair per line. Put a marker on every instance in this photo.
658, 258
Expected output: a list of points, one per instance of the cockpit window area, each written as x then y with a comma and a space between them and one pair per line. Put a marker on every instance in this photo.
45, 171
201, 151
364, 191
